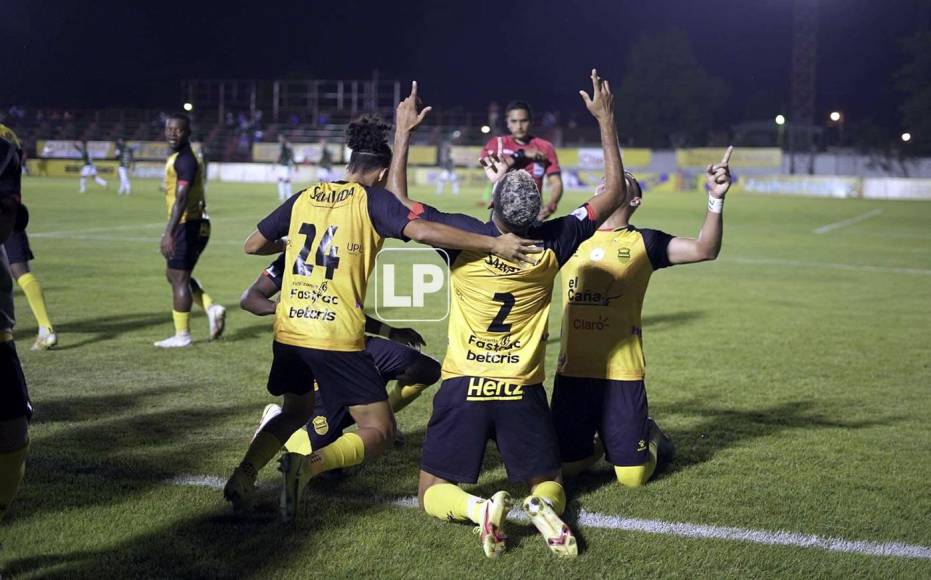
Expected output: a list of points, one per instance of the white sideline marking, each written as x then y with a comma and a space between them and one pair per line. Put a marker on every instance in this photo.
845, 223
67, 233
682, 529
828, 265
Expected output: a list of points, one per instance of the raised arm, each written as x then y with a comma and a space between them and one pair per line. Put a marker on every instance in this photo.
507, 246
708, 243
405, 121
601, 106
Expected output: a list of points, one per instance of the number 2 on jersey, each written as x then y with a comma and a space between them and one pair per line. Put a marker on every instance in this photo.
507, 303
326, 254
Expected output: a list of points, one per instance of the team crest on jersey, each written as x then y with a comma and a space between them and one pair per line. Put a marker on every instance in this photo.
623, 255
321, 427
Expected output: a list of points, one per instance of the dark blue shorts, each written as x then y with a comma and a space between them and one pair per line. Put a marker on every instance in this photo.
17, 248
470, 411
616, 410
14, 396
190, 240
345, 378
391, 360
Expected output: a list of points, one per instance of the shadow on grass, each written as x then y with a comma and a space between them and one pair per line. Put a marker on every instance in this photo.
103, 329
262, 328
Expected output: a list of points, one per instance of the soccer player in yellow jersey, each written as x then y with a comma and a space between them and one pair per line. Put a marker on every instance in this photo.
599, 385
493, 371
15, 407
334, 231
186, 234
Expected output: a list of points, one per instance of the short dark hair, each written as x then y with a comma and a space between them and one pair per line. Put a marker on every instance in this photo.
633, 180
517, 105
180, 117
367, 138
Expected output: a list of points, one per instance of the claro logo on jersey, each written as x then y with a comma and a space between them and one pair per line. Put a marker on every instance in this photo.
491, 390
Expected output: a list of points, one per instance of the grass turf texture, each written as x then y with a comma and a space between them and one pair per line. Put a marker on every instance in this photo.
797, 394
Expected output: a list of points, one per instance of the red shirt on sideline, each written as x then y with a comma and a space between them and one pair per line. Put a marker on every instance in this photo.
502, 146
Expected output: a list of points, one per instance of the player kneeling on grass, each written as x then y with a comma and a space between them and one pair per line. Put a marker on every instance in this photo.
320, 323
494, 368
398, 358
599, 385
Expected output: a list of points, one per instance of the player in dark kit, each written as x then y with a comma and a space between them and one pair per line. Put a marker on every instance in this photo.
186, 234
285, 167
521, 150
88, 169
398, 358
15, 407
599, 385
124, 156
493, 370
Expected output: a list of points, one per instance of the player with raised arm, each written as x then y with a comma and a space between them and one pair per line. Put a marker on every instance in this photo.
15, 407
599, 385
397, 359
522, 150
284, 168
124, 156
493, 371
334, 231
88, 169
186, 234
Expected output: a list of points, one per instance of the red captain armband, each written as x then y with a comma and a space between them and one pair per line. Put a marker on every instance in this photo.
416, 212
585, 212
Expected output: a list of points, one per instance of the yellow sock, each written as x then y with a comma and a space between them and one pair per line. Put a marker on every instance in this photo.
299, 443
347, 451
181, 321
262, 450
448, 501
12, 469
403, 395
635, 475
553, 493
33, 291
200, 297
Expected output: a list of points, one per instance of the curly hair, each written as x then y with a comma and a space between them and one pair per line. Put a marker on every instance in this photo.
367, 138
517, 200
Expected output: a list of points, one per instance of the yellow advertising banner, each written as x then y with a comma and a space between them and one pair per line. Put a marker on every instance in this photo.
68, 168
142, 150
742, 157
804, 185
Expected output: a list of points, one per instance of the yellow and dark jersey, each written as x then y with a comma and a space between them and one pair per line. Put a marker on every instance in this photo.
185, 166
334, 232
603, 286
499, 308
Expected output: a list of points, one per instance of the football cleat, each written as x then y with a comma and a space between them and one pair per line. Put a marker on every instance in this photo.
270, 412
491, 528
45, 341
292, 466
176, 341
239, 490
557, 534
216, 315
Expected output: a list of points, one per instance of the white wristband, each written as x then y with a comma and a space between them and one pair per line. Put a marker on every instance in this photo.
715, 205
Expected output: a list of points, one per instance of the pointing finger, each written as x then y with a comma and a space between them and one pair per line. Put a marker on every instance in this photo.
727, 155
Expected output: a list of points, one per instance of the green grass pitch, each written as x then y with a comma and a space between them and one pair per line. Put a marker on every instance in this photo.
793, 375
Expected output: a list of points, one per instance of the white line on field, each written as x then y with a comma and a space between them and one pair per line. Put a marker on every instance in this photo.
845, 223
68, 233
682, 529
828, 265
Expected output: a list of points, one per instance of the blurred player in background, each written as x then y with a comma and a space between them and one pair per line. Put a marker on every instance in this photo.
88, 169
398, 358
15, 407
521, 150
334, 231
448, 166
599, 385
325, 166
124, 156
285, 167
186, 234
493, 371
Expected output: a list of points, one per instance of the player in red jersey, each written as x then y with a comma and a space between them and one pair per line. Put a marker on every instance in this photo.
521, 150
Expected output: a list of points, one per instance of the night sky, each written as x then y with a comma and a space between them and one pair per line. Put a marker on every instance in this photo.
100, 54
